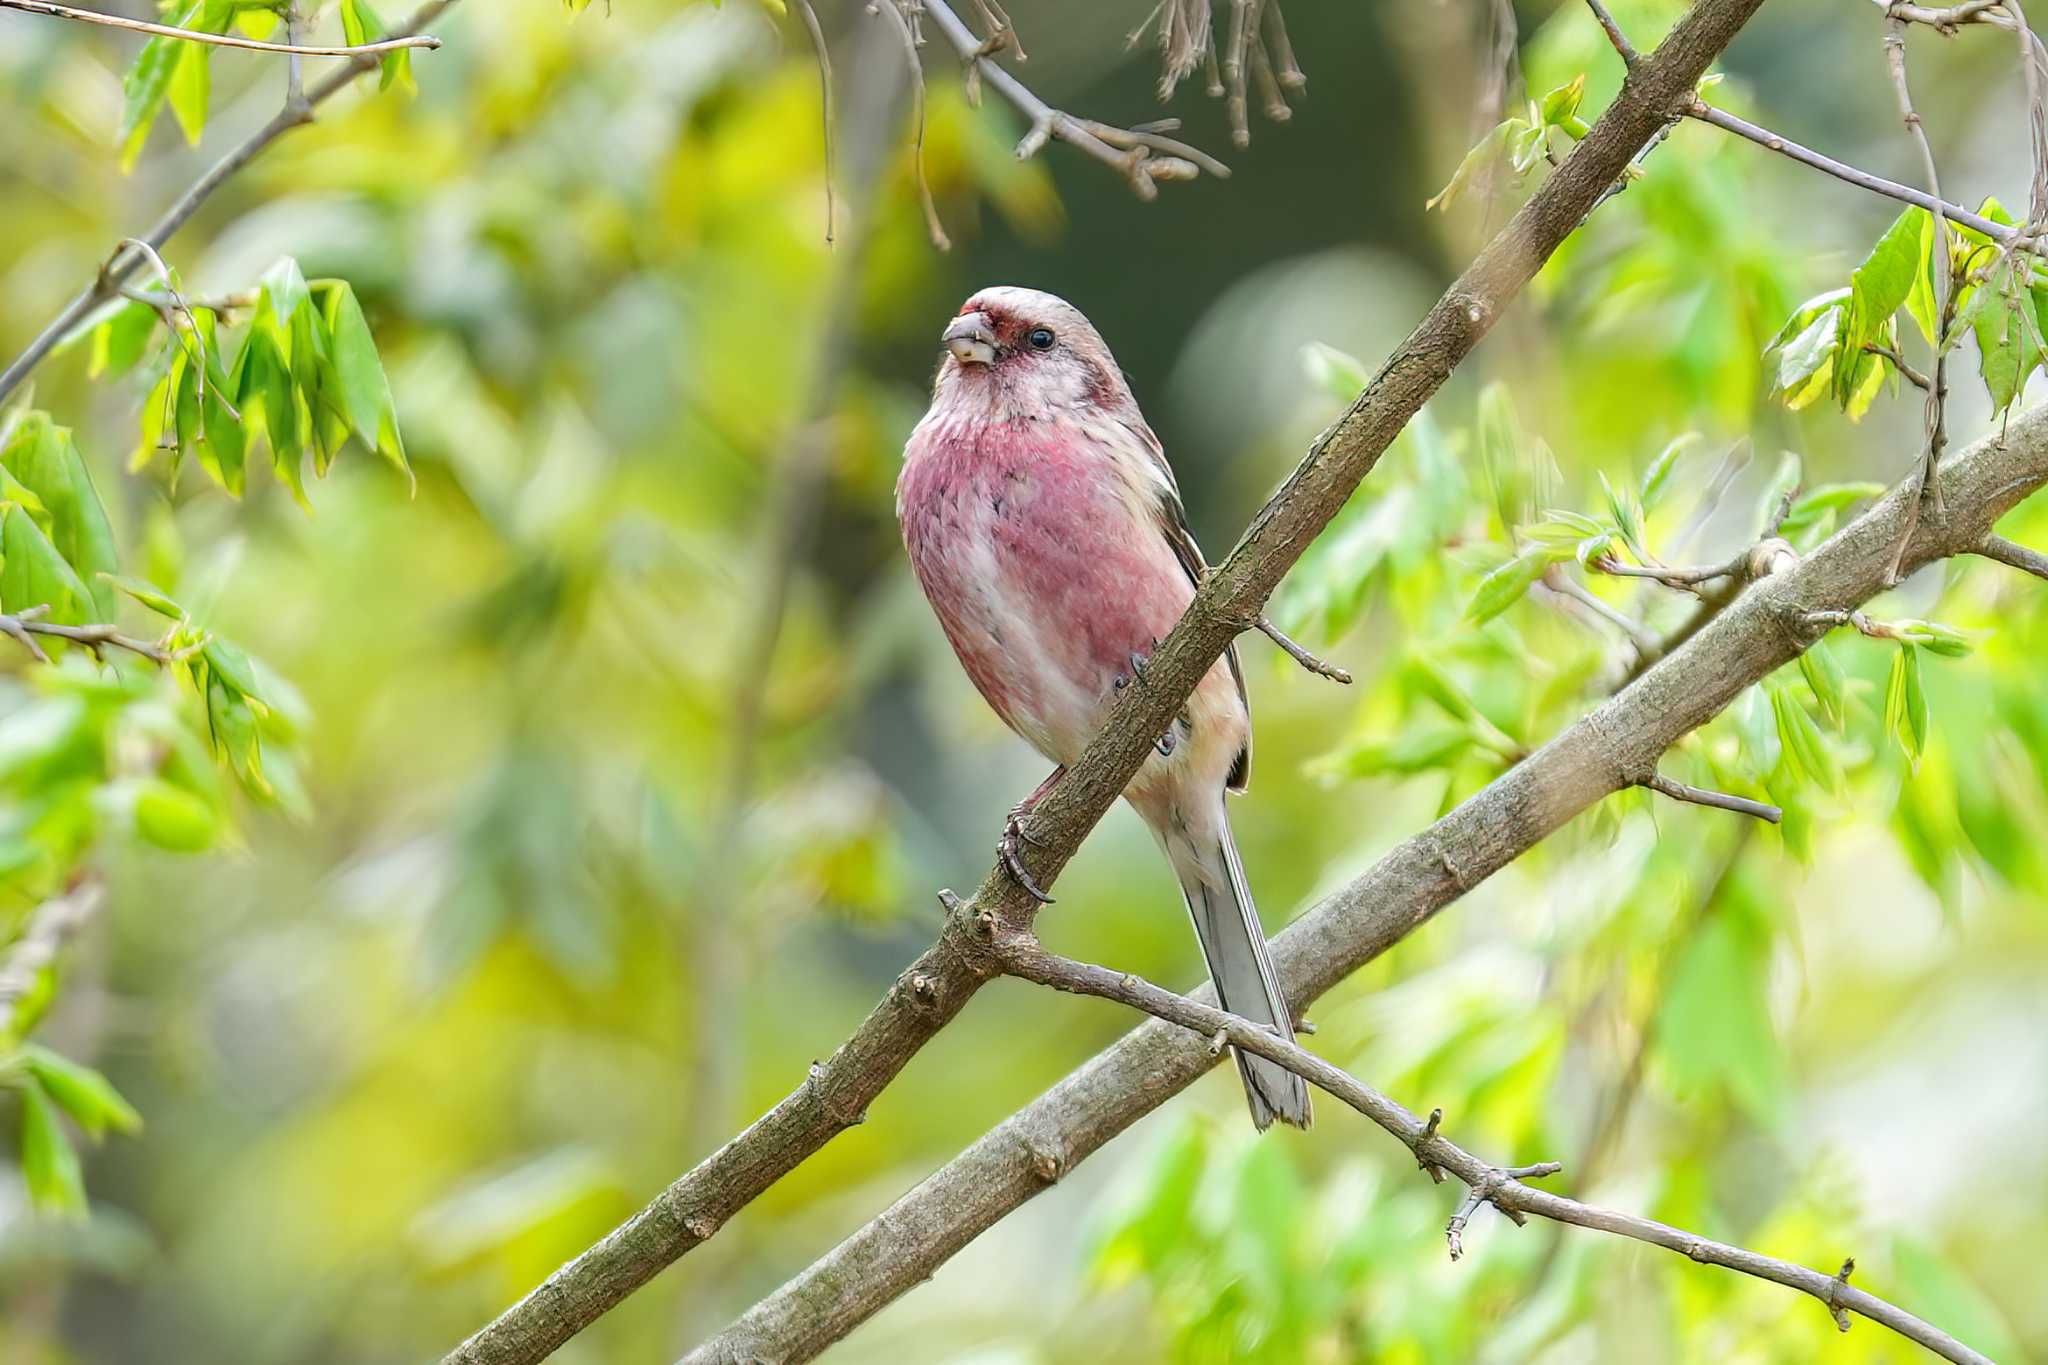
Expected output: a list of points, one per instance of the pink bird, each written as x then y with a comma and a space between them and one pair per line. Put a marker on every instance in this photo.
1045, 527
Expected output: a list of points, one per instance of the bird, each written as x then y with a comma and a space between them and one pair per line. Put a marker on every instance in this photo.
1046, 529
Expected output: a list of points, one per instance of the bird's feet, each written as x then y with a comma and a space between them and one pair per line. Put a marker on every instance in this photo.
1010, 848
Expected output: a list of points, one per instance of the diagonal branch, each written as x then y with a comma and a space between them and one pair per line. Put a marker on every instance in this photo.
934, 988
126, 260
1764, 628
1022, 957
193, 35
1876, 184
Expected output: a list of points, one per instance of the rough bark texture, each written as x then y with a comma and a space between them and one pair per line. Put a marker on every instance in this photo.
1608, 749
932, 990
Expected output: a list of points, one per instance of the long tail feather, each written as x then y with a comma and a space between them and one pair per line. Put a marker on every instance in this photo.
1204, 857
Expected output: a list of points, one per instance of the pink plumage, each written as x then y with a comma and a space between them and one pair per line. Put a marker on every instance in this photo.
1044, 525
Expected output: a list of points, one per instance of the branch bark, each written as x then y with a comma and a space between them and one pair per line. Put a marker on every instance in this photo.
934, 988
126, 260
1504, 1188
1764, 628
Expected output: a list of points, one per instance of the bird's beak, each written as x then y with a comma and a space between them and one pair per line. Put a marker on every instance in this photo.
971, 340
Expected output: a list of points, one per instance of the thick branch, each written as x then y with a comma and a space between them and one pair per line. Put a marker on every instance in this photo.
126, 260
192, 35
1503, 1188
1765, 627
935, 987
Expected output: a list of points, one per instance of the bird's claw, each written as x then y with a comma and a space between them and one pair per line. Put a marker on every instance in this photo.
1165, 744
1010, 849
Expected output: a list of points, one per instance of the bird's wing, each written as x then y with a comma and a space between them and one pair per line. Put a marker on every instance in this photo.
1173, 524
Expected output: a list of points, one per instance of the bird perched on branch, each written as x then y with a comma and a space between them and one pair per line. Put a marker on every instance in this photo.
1045, 527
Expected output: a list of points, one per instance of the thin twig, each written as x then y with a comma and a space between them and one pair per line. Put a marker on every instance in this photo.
1688, 579
1899, 363
1301, 655
1905, 194
1613, 31
190, 35
1936, 407
1502, 1187
24, 625
1948, 21
1140, 170
932, 225
2017, 556
1700, 796
125, 261
824, 56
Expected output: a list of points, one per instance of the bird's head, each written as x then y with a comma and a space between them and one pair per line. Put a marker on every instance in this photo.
1014, 352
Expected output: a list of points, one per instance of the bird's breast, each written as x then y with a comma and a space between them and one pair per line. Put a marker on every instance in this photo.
1044, 566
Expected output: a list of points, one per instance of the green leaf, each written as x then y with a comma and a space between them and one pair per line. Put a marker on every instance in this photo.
172, 818
1905, 703
46, 461
1506, 585
1336, 372
1823, 673
81, 1092
190, 88
144, 88
34, 574
1659, 472
1882, 284
284, 292
233, 666
1920, 304
359, 382
1803, 357
1818, 505
1486, 152
1802, 740
148, 594
48, 1163
120, 339
361, 24
1714, 1027
1560, 105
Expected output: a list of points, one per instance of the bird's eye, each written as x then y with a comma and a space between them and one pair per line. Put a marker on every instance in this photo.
1041, 338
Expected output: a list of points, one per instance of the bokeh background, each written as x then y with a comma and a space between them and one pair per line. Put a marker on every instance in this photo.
634, 758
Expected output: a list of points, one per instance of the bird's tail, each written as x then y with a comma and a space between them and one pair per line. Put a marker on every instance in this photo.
1204, 857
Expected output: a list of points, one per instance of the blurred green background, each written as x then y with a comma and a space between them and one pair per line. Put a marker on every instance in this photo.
581, 885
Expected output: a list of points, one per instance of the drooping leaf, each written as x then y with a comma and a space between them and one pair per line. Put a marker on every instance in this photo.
49, 1165
81, 1092
359, 382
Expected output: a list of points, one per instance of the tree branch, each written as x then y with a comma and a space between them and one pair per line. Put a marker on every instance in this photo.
126, 260
24, 625
1700, 796
933, 989
1891, 189
1135, 162
1022, 956
2016, 556
191, 35
1764, 628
